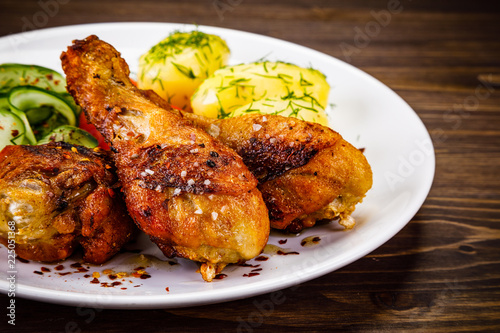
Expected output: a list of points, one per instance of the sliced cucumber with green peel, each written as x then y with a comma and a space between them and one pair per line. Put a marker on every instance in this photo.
39, 115
13, 75
28, 132
71, 102
35, 108
4, 102
11, 129
70, 134
25, 99
47, 126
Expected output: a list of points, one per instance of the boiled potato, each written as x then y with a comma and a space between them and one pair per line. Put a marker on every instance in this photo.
177, 65
234, 86
305, 108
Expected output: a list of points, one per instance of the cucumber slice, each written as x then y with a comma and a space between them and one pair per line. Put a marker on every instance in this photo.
72, 135
28, 97
4, 102
71, 102
13, 75
39, 115
28, 132
47, 126
11, 129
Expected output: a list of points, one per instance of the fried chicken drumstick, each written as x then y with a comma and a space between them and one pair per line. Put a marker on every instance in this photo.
191, 194
307, 172
56, 197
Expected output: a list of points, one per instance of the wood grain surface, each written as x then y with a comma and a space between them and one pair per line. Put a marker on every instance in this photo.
441, 273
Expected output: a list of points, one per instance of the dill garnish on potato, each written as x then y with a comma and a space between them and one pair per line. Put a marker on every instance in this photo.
236, 90
177, 65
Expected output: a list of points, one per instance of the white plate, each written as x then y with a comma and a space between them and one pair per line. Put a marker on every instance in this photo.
363, 110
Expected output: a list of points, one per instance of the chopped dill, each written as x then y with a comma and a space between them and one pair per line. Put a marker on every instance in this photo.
265, 67
222, 113
250, 109
199, 59
237, 83
158, 79
263, 59
304, 82
177, 42
184, 70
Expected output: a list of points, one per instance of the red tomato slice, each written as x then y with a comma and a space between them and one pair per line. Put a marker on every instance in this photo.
83, 124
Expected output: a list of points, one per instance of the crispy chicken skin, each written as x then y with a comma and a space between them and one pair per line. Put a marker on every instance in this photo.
307, 172
191, 194
58, 197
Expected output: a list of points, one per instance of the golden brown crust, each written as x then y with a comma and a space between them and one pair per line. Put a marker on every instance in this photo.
302, 167
97, 77
337, 171
272, 145
60, 197
59, 248
269, 145
191, 194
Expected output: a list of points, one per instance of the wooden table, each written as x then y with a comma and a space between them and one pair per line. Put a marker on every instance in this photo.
442, 271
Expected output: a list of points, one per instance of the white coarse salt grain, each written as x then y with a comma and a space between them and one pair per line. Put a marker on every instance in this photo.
143, 174
264, 118
195, 164
214, 216
192, 151
191, 182
211, 196
273, 140
206, 182
158, 188
223, 209
177, 191
149, 171
184, 173
256, 127
198, 211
